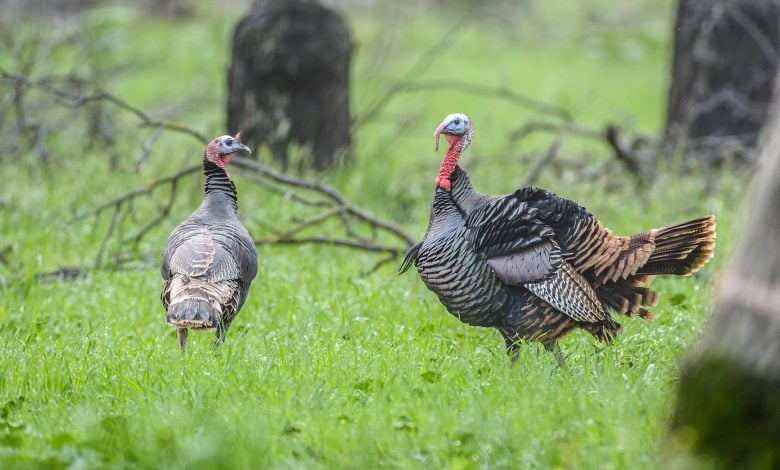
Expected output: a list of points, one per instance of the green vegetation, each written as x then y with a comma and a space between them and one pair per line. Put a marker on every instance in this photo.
324, 367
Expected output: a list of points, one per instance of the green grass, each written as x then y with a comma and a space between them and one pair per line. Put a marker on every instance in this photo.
324, 367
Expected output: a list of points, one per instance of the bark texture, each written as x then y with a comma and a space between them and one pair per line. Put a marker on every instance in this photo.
729, 394
723, 72
288, 82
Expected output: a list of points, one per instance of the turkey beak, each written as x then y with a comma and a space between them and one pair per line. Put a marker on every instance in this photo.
242, 147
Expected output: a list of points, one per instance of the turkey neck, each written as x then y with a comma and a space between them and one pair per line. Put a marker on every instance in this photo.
450, 208
451, 160
219, 188
461, 195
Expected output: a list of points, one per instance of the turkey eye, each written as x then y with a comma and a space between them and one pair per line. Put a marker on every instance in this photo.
229, 142
456, 122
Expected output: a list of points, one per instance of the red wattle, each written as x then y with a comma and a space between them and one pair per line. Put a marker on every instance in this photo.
443, 183
448, 165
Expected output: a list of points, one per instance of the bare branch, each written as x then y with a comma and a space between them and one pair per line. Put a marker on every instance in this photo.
326, 191
626, 154
310, 222
164, 211
501, 93
557, 128
417, 69
106, 237
548, 157
172, 126
343, 242
387, 259
116, 202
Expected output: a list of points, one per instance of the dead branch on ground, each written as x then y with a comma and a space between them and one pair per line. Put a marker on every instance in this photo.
328, 217
342, 222
637, 155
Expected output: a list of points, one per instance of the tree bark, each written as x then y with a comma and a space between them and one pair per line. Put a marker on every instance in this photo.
729, 395
288, 82
723, 71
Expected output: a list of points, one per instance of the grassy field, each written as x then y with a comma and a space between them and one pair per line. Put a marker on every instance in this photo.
325, 367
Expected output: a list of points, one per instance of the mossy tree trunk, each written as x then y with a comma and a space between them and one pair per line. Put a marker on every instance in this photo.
729, 395
288, 83
723, 71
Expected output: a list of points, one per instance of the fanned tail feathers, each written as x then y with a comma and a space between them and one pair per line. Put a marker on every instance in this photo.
682, 249
678, 250
630, 296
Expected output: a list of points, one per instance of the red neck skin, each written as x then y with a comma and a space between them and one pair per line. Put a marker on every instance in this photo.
220, 160
448, 165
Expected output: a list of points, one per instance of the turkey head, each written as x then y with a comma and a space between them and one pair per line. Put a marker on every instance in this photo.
221, 150
458, 131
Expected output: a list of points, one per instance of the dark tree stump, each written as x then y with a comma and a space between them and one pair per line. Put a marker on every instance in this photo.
288, 82
723, 72
729, 395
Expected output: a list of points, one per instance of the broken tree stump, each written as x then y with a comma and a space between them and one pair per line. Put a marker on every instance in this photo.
288, 82
722, 79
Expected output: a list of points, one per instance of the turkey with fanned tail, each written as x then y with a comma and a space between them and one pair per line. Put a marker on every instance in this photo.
536, 266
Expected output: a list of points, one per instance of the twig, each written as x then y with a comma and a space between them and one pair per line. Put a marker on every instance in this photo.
61, 274
565, 128
423, 62
106, 238
501, 93
310, 222
146, 149
77, 101
624, 153
166, 209
172, 126
319, 240
136, 193
326, 191
548, 157
387, 259
290, 194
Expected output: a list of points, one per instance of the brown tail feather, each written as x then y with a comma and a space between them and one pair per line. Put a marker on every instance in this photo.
682, 249
605, 331
629, 296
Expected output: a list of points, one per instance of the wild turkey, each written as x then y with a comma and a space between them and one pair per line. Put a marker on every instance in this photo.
535, 266
209, 260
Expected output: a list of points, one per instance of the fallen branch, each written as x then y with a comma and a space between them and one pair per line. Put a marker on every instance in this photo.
330, 205
317, 206
127, 197
62, 274
501, 93
548, 157
627, 153
342, 242
417, 69
635, 155
327, 192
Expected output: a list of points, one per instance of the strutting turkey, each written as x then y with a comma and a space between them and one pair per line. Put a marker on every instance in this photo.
536, 266
209, 260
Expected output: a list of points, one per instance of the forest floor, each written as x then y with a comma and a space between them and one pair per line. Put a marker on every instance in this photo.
326, 366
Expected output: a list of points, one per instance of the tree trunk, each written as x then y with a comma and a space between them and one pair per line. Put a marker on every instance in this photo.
288, 83
729, 395
723, 71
